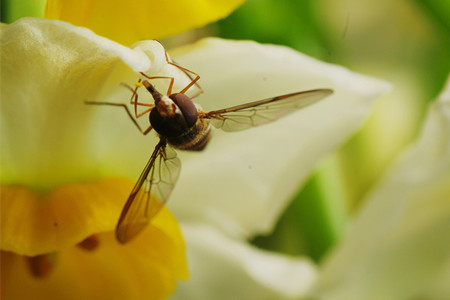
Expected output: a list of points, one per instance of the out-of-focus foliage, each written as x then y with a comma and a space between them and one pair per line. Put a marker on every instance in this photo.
12, 10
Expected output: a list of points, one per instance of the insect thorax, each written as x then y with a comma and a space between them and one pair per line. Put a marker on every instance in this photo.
194, 139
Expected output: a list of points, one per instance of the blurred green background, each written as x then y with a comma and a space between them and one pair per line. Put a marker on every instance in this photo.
404, 42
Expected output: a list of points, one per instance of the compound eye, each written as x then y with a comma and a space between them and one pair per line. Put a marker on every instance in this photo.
168, 127
187, 108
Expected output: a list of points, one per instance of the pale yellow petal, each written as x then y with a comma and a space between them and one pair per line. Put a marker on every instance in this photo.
49, 136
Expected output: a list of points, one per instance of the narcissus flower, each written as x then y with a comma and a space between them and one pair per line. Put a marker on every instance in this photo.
64, 166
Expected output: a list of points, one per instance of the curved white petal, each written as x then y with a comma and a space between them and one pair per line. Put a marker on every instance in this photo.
225, 268
49, 136
399, 244
243, 180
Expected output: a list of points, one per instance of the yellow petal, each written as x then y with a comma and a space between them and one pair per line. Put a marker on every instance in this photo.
130, 21
34, 223
146, 268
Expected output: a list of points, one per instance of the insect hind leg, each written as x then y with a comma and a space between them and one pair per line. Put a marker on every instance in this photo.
144, 132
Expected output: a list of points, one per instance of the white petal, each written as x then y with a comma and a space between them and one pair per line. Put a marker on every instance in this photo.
399, 244
49, 136
243, 180
223, 268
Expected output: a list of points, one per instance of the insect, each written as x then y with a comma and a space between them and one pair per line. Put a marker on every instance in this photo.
183, 125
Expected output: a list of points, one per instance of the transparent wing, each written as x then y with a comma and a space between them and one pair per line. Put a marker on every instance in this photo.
264, 111
150, 192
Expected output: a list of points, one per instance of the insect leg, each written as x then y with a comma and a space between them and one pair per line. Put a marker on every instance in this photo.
134, 99
193, 81
185, 71
144, 132
169, 90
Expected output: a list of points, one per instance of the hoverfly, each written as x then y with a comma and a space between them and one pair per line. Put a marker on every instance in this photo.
183, 125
